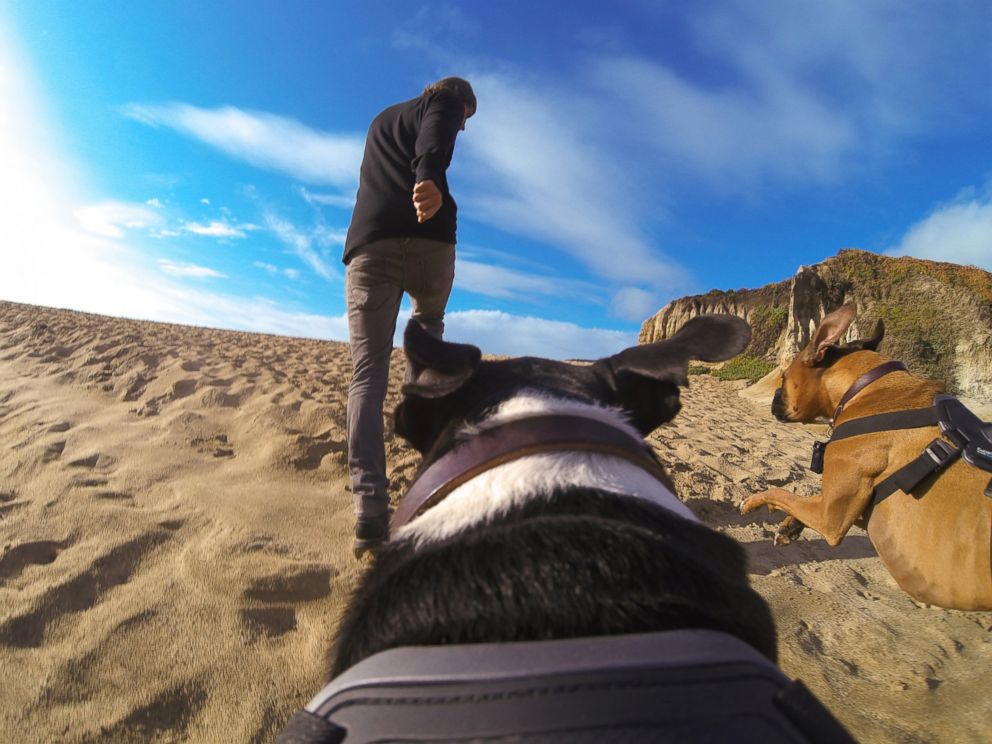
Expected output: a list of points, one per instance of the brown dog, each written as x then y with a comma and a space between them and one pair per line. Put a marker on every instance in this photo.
934, 540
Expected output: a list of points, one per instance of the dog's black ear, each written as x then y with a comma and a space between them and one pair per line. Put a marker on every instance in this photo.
435, 368
646, 379
419, 420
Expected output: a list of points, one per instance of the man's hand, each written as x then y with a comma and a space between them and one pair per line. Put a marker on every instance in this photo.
427, 200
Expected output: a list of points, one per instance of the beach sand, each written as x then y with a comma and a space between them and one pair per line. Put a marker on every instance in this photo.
175, 541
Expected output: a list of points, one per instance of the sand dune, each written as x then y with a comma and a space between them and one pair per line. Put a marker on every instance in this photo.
176, 541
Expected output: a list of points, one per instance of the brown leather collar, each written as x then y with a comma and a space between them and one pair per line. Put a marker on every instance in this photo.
864, 381
512, 441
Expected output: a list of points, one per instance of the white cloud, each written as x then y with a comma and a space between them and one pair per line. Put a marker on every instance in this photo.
330, 235
215, 229
303, 244
273, 270
634, 304
799, 92
496, 332
188, 270
770, 126
110, 219
509, 284
155, 202
535, 172
330, 200
263, 140
960, 232
205, 201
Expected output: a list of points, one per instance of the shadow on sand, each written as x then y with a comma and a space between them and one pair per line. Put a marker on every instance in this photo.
764, 556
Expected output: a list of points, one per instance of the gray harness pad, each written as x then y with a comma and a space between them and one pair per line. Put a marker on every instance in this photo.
966, 430
669, 687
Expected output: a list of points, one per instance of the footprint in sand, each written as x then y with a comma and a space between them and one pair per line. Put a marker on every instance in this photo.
183, 388
217, 445
171, 711
267, 621
136, 387
115, 496
81, 593
314, 449
276, 617
53, 452
89, 482
96, 461
35, 553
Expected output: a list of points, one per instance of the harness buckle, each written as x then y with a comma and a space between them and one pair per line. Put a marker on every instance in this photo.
941, 452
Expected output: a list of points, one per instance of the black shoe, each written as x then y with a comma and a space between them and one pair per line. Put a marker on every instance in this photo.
371, 533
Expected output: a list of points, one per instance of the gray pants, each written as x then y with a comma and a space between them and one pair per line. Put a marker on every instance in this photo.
377, 276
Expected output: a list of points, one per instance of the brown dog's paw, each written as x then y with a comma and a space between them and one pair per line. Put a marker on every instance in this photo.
788, 530
751, 503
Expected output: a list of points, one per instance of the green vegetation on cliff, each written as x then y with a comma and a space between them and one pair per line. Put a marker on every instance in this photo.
938, 316
878, 276
767, 323
743, 367
919, 303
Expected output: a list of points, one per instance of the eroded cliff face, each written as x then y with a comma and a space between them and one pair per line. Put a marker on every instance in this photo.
938, 316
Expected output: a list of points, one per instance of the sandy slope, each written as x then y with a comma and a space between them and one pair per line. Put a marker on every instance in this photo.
175, 535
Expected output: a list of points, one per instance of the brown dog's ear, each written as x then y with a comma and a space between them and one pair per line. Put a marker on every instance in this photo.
830, 330
871, 344
435, 368
645, 379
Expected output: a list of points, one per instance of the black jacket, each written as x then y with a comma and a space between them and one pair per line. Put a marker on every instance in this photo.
407, 143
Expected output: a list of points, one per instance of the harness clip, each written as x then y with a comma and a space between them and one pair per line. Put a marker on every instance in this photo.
941, 452
816, 465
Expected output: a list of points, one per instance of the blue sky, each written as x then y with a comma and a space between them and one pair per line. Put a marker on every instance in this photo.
197, 162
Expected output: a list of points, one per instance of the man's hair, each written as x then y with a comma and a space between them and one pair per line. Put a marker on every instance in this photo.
461, 88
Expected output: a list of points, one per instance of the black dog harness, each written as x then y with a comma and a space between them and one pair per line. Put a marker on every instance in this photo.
969, 436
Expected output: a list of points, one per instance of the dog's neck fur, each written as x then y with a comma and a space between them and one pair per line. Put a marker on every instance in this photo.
537, 477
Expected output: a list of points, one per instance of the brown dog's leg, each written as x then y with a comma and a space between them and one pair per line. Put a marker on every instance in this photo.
789, 529
813, 511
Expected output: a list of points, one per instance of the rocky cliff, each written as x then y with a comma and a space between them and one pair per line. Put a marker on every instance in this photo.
938, 316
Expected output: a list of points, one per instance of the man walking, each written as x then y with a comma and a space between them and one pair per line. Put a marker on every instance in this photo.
401, 239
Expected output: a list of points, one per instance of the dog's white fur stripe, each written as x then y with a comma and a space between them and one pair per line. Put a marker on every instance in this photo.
538, 476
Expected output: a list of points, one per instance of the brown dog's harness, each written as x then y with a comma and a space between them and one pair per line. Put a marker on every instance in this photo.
969, 436
512, 441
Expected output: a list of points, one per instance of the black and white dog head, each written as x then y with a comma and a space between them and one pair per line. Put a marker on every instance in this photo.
448, 384
556, 544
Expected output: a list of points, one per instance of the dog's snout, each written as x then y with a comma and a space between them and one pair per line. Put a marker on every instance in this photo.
778, 406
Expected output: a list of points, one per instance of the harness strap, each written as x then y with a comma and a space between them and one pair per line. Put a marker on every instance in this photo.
915, 418
937, 456
865, 380
513, 441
